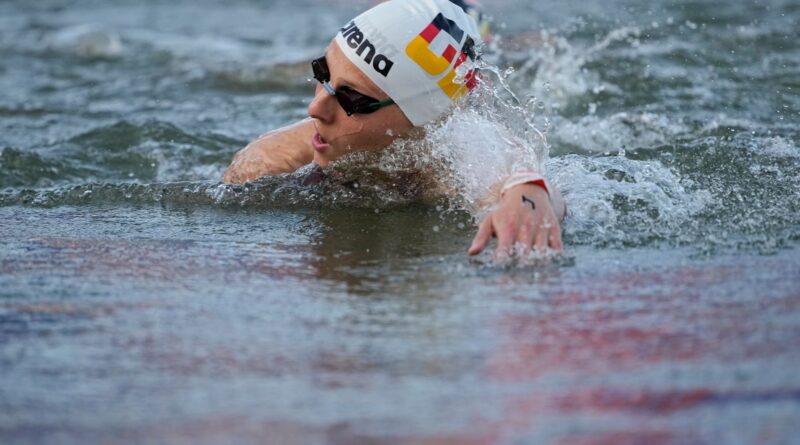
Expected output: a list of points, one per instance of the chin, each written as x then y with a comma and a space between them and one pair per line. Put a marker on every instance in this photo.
321, 159
330, 155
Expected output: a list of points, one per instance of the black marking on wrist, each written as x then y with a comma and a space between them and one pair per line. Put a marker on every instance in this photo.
526, 200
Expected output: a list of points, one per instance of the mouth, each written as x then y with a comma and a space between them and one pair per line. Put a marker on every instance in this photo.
319, 143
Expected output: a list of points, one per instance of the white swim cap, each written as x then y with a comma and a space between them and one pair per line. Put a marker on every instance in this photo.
412, 50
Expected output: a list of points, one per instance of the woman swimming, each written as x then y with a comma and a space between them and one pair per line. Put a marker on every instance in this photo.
385, 75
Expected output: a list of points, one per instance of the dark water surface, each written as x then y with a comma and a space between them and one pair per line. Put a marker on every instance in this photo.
143, 302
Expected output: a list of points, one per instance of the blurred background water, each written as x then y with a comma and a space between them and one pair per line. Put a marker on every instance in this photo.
142, 301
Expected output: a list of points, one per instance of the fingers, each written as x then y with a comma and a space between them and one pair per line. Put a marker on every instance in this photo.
549, 235
231, 176
227, 177
482, 237
525, 238
527, 229
238, 172
506, 236
555, 238
541, 239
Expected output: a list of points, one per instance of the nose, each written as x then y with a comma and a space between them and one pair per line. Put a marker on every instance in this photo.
323, 106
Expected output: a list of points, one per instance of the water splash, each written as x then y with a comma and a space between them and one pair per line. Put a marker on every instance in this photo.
616, 201
489, 136
619, 131
343, 187
87, 41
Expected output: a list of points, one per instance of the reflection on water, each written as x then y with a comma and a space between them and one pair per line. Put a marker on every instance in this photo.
340, 327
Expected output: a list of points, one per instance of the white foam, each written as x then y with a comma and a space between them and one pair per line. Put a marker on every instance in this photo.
777, 146
616, 132
477, 152
554, 73
594, 187
86, 41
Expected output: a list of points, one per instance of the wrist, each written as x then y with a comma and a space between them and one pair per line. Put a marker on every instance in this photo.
532, 191
524, 177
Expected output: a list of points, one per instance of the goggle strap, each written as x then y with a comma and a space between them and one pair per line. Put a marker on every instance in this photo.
381, 104
328, 88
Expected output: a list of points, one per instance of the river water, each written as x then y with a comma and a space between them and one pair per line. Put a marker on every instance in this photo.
141, 301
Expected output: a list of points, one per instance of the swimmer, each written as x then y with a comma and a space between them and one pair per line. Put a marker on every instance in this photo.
380, 80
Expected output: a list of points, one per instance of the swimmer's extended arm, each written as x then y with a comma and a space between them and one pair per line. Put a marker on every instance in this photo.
281, 151
526, 214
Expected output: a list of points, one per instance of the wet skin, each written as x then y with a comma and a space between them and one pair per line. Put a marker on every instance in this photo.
329, 134
287, 149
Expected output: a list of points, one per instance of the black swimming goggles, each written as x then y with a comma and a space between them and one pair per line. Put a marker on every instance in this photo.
351, 100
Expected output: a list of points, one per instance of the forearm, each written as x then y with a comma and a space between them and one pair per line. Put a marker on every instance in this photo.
280, 151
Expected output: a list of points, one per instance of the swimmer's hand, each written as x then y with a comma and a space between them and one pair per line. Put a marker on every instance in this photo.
274, 153
526, 216
248, 164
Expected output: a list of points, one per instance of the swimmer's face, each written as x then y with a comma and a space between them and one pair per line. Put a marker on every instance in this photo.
338, 133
